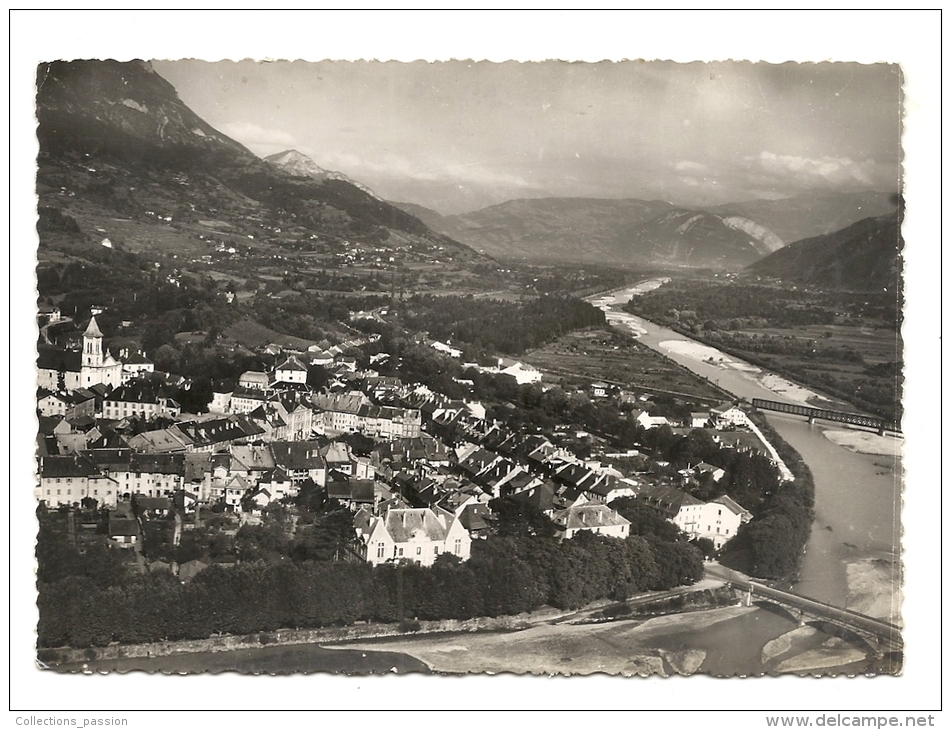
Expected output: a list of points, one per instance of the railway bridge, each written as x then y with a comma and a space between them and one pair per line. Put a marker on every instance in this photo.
855, 419
882, 637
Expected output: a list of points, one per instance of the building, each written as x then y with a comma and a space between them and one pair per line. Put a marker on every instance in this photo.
59, 369
140, 398
590, 517
67, 480
291, 371
717, 520
418, 535
135, 366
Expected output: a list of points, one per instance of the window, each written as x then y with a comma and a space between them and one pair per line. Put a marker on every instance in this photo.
458, 546
435, 549
419, 551
401, 552
380, 550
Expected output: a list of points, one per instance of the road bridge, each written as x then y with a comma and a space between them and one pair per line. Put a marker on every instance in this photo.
880, 635
855, 419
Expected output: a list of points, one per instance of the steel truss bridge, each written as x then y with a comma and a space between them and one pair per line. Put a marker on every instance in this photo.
855, 419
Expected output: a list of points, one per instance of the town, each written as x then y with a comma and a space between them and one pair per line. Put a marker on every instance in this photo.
416, 473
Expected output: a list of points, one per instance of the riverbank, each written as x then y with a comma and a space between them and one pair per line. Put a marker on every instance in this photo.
263, 649
865, 442
679, 644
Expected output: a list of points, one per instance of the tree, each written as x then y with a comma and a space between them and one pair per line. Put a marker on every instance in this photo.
645, 520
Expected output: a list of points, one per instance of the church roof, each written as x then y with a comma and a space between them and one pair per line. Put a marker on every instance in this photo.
51, 358
93, 329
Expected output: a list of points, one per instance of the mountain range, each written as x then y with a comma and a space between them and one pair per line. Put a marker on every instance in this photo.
117, 144
865, 256
300, 165
640, 231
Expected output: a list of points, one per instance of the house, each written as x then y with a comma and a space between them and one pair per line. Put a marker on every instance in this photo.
123, 528
66, 480
522, 372
48, 314
135, 366
417, 535
353, 492
278, 484
291, 370
253, 380
726, 415
141, 398
243, 399
49, 403
703, 469
590, 517
718, 520
647, 421
699, 419
603, 390
221, 398
300, 460
443, 347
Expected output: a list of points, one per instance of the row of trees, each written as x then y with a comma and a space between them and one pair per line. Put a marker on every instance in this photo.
772, 543
505, 576
734, 306
492, 326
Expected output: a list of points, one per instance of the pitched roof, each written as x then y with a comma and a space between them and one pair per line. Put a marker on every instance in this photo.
51, 358
292, 363
417, 523
67, 466
588, 516
93, 329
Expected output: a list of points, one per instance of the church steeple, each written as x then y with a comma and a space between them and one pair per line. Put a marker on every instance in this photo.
92, 345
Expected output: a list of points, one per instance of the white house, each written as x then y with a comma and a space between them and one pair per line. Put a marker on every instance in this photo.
647, 421
729, 414
418, 535
717, 520
593, 517
291, 370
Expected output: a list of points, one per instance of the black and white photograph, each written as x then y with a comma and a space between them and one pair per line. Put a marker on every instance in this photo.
367, 368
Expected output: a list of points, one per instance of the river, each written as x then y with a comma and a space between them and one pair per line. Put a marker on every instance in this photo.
852, 559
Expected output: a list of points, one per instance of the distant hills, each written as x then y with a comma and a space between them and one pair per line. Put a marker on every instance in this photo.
118, 145
639, 231
811, 214
865, 256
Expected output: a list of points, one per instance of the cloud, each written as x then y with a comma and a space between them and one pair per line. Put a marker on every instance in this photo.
690, 166
426, 169
819, 170
259, 139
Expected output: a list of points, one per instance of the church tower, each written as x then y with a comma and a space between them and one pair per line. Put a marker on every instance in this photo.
92, 345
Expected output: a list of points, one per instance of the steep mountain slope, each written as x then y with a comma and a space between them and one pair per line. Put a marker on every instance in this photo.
810, 214
567, 229
865, 256
300, 165
695, 238
119, 149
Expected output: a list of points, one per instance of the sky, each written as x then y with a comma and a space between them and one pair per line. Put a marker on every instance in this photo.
457, 136
912, 38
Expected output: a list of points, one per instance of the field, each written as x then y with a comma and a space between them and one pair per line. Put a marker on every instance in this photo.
600, 354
